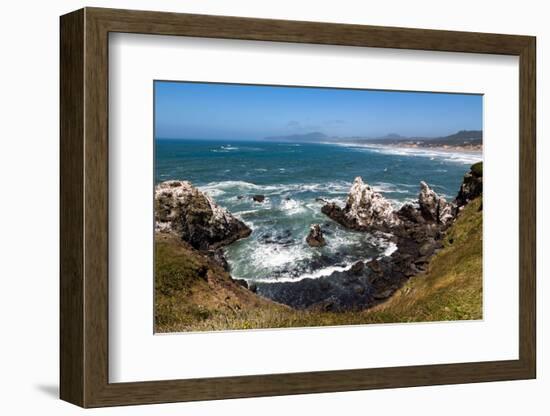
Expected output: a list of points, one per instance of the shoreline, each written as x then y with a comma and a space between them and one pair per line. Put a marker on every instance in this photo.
432, 239
474, 150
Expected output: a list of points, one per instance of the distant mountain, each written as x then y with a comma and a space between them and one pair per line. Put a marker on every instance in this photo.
307, 137
467, 139
460, 138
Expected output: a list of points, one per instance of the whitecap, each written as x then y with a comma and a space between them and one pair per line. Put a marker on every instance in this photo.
229, 185
464, 157
246, 212
224, 149
212, 192
291, 206
389, 250
388, 187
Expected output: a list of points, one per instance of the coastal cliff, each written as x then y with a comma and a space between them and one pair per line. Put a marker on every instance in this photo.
192, 282
433, 274
183, 210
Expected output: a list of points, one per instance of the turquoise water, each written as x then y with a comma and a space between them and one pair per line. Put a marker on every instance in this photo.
296, 178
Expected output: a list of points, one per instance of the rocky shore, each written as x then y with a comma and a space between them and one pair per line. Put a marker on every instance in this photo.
192, 216
417, 230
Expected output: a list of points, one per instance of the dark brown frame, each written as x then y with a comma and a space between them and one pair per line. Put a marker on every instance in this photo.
84, 209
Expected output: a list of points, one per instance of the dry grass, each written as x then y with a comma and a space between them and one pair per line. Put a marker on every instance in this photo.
451, 289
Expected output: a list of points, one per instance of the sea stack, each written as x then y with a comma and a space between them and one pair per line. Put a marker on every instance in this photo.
315, 237
365, 209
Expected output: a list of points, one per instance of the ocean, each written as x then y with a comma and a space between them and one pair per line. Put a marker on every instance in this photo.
296, 179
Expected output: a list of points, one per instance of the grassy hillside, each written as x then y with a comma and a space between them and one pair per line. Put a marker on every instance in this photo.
452, 287
191, 291
194, 294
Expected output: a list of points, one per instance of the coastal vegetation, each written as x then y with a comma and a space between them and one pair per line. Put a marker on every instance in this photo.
434, 275
193, 294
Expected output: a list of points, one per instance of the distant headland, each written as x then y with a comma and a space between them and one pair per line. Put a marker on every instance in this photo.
466, 140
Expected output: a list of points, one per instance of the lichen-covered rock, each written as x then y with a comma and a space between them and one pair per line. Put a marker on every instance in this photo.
365, 209
315, 237
434, 207
472, 185
193, 216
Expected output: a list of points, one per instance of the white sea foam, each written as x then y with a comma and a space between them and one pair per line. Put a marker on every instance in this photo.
264, 258
389, 250
327, 271
388, 187
291, 206
273, 256
275, 189
246, 212
212, 192
227, 185
464, 157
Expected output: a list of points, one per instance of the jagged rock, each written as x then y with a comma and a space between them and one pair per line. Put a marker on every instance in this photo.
258, 198
383, 295
472, 185
218, 257
358, 267
427, 248
408, 212
193, 216
434, 207
315, 237
365, 209
417, 230
360, 290
242, 283
375, 266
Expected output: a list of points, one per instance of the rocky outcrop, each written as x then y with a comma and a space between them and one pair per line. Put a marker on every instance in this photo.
258, 198
472, 185
194, 217
417, 230
315, 237
365, 209
434, 207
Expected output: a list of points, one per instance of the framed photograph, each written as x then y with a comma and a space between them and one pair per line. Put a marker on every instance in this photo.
255, 207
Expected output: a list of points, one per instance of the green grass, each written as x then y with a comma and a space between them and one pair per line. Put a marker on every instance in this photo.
477, 169
192, 294
452, 288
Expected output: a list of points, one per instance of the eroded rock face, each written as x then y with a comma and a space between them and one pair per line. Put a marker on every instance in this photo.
434, 207
365, 209
193, 216
315, 237
472, 185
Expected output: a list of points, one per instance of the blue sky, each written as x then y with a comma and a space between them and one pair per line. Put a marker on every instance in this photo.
249, 112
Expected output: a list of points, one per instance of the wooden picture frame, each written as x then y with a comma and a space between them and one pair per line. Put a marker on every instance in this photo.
84, 207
